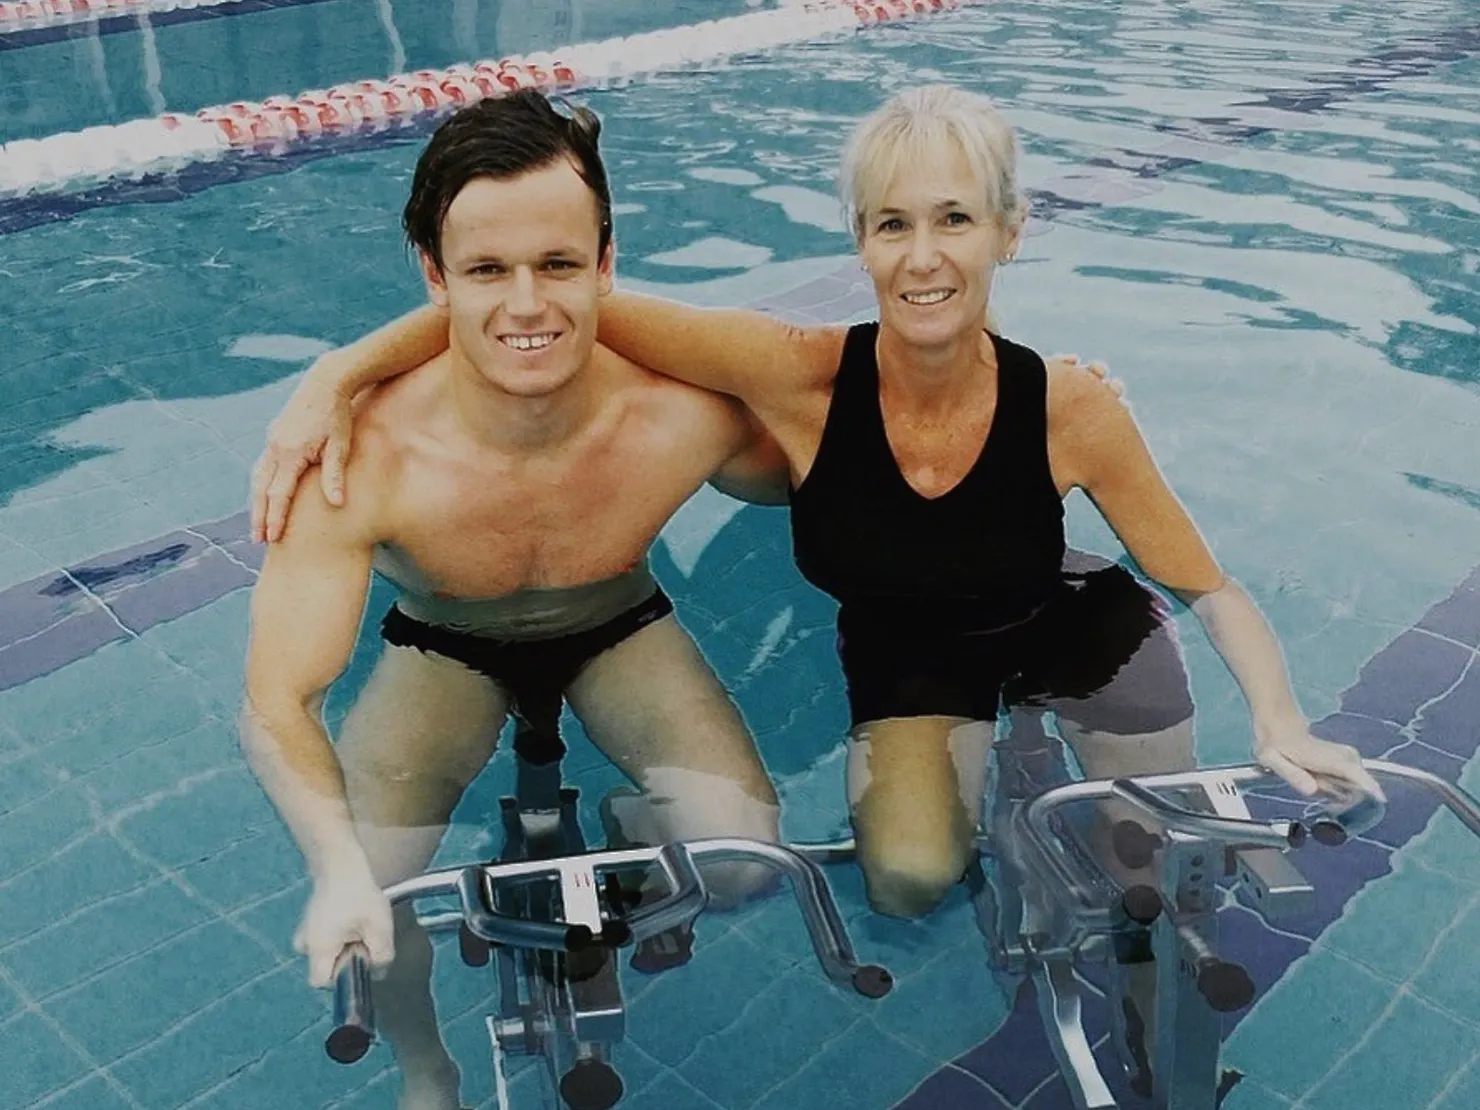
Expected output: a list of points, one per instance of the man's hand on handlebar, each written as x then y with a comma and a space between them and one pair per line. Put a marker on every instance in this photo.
347, 908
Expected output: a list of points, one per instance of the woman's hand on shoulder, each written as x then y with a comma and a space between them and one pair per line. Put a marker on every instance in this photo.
315, 426
1090, 426
1061, 364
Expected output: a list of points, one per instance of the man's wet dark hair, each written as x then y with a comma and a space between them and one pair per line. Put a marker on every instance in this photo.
501, 137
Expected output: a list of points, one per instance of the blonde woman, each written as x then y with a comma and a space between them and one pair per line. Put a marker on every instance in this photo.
929, 459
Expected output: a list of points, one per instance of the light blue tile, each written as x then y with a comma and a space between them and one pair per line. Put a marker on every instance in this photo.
102, 936
37, 1061
671, 1091
264, 862
211, 642
200, 819
295, 1073
205, 1051
276, 918
1330, 1000
1465, 1093
74, 528
130, 1005
11, 745
87, 704
1423, 900
378, 1092
24, 780
157, 768
94, 1094
213, 485
1448, 847
20, 564
37, 831
93, 868
637, 1069
10, 1003
1412, 1056
701, 999
862, 1068
1442, 981
779, 1028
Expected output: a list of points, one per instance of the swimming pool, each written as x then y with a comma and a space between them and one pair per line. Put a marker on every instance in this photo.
1262, 217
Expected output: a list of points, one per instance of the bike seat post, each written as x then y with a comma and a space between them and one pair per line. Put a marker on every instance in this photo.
1028, 760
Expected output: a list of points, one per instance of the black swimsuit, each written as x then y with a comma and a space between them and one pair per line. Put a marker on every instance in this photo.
533, 673
948, 604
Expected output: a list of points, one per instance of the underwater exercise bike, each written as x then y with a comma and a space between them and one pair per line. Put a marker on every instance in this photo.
552, 914
1055, 909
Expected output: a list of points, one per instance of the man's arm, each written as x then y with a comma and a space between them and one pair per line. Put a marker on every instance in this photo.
305, 615
758, 471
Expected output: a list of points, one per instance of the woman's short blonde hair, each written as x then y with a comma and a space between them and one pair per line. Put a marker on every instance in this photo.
918, 123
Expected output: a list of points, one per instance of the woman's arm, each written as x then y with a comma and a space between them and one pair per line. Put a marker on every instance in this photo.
764, 362
1109, 460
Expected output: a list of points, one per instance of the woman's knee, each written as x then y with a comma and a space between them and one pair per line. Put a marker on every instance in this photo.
910, 880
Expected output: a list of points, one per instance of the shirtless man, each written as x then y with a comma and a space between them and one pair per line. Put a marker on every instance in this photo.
511, 488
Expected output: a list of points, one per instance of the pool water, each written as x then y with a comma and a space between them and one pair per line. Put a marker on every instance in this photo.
1262, 216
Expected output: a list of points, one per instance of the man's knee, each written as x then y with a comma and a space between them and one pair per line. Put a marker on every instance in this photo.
910, 880
686, 805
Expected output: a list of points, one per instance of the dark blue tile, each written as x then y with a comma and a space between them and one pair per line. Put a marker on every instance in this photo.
1404, 675
107, 576
1266, 955
1452, 724
209, 574
227, 530
1015, 1059
1336, 874
1371, 737
1457, 616
72, 639
952, 1089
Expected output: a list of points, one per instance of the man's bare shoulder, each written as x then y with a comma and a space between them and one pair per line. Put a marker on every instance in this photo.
646, 392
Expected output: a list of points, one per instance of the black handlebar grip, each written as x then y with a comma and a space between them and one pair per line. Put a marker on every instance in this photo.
1225, 985
1134, 846
591, 1085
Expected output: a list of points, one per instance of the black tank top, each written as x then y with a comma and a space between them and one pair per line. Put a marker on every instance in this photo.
985, 554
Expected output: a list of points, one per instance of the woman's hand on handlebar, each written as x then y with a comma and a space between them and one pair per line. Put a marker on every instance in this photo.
1312, 765
315, 426
346, 908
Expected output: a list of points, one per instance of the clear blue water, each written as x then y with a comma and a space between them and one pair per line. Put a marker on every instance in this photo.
1263, 216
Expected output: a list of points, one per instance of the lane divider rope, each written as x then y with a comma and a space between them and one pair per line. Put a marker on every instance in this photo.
172, 141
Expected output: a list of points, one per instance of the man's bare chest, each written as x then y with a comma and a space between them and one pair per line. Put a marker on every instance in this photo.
490, 532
